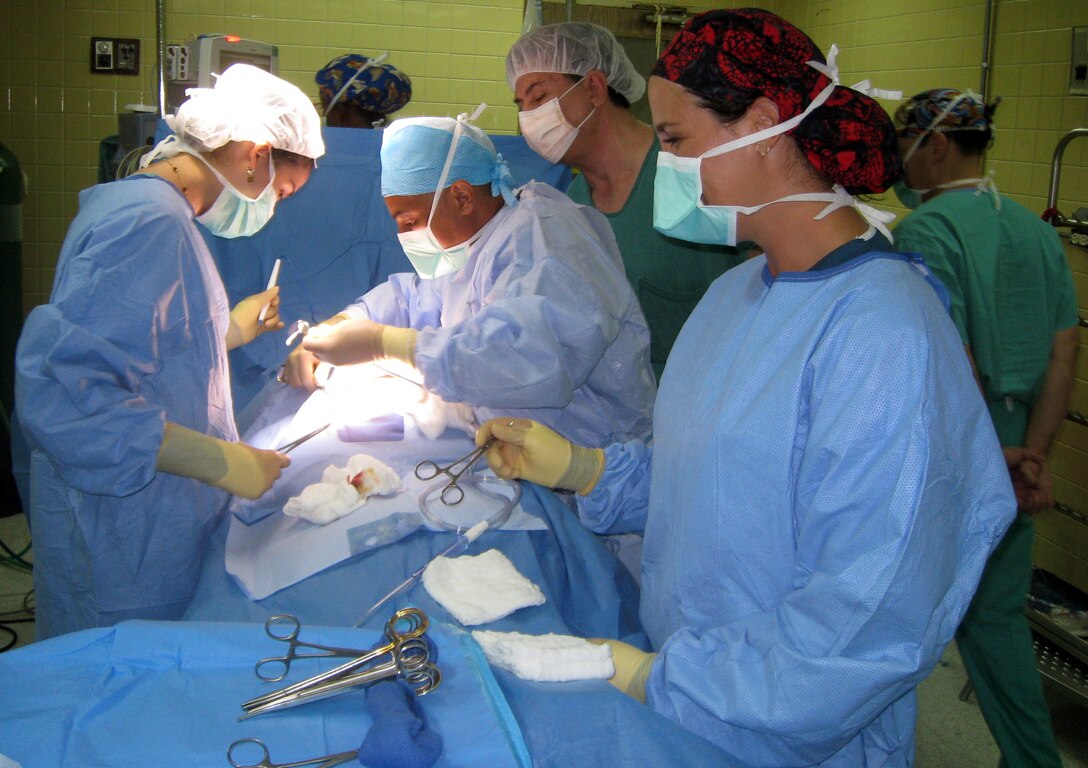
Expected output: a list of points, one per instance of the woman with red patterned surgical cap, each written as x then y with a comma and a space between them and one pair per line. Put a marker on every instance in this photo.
824, 484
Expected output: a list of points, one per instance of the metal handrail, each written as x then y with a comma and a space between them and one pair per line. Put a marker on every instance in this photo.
1052, 214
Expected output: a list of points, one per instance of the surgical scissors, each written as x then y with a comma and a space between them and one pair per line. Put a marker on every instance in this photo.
288, 447
429, 470
327, 761
291, 637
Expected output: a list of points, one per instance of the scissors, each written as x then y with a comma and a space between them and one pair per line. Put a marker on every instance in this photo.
429, 470
283, 663
288, 447
266, 760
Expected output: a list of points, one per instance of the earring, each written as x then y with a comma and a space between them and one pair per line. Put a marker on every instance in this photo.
249, 175
763, 150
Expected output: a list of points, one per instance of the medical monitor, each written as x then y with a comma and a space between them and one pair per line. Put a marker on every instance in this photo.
193, 65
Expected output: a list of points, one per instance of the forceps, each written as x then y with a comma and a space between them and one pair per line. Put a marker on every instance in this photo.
410, 659
288, 447
328, 761
429, 470
283, 662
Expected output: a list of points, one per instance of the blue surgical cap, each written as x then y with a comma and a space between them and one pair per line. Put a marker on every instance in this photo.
414, 150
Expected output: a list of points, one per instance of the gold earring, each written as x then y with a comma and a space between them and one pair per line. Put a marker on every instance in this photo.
249, 175
763, 150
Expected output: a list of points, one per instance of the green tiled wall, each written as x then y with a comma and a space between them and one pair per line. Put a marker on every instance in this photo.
53, 112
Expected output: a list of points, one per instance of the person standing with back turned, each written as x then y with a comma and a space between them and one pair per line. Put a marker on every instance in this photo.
1014, 305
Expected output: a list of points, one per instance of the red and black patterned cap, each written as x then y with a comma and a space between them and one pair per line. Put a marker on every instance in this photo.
731, 58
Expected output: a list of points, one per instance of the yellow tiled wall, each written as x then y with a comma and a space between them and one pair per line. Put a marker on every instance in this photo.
54, 112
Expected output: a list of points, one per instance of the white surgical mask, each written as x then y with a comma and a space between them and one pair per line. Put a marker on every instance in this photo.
547, 131
235, 215
429, 257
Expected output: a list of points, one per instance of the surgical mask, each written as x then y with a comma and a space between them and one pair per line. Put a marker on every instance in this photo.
547, 131
235, 215
912, 198
429, 257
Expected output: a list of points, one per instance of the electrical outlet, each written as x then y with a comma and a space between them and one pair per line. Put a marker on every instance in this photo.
177, 62
127, 61
101, 54
118, 56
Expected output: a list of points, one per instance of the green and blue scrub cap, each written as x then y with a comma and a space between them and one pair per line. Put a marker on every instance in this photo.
944, 109
416, 157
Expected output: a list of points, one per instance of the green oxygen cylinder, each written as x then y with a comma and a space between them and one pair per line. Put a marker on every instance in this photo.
12, 194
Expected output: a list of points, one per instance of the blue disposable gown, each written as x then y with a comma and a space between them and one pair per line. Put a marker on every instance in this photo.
826, 486
132, 337
540, 323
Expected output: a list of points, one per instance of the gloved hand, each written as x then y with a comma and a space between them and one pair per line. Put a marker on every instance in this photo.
244, 327
298, 369
531, 451
250, 471
359, 341
632, 667
235, 467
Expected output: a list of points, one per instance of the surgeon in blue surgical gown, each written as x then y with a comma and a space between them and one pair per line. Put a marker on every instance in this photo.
122, 385
519, 302
824, 485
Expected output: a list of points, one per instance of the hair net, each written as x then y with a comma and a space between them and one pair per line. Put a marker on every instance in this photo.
414, 151
731, 58
575, 48
379, 88
247, 104
942, 110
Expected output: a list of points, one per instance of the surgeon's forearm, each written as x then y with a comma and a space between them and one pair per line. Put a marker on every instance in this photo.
1053, 402
188, 453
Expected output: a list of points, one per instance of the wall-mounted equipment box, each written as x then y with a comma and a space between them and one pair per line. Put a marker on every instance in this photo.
115, 55
1078, 63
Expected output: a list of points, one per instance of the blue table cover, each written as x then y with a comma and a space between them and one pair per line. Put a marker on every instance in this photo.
169, 694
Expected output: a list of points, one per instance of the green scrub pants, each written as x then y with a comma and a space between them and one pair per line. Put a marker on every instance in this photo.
995, 641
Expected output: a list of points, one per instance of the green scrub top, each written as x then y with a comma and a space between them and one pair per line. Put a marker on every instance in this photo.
1009, 283
669, 276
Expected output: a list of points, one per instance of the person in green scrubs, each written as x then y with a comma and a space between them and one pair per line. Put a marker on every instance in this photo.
574, 85
1013, 301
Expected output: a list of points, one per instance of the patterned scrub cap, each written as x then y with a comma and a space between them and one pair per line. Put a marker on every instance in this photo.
381, 88
733, 57
942, 110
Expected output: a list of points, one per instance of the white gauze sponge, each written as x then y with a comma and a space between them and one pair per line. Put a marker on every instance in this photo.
546, 658
478, 589
343, 490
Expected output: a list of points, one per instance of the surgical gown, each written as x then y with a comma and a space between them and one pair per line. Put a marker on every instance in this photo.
540, 323
132, 337
825, 487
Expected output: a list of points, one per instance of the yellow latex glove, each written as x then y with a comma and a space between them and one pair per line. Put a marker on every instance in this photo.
632, 668
237, 468
244, 327
359, 341
531, 451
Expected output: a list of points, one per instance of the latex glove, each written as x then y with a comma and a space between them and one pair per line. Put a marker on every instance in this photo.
531, 451
298, 370
632, 667
1031, 479
359, 341
237, 468
244, 327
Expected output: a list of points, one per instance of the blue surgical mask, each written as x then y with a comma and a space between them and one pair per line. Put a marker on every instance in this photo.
235, 215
